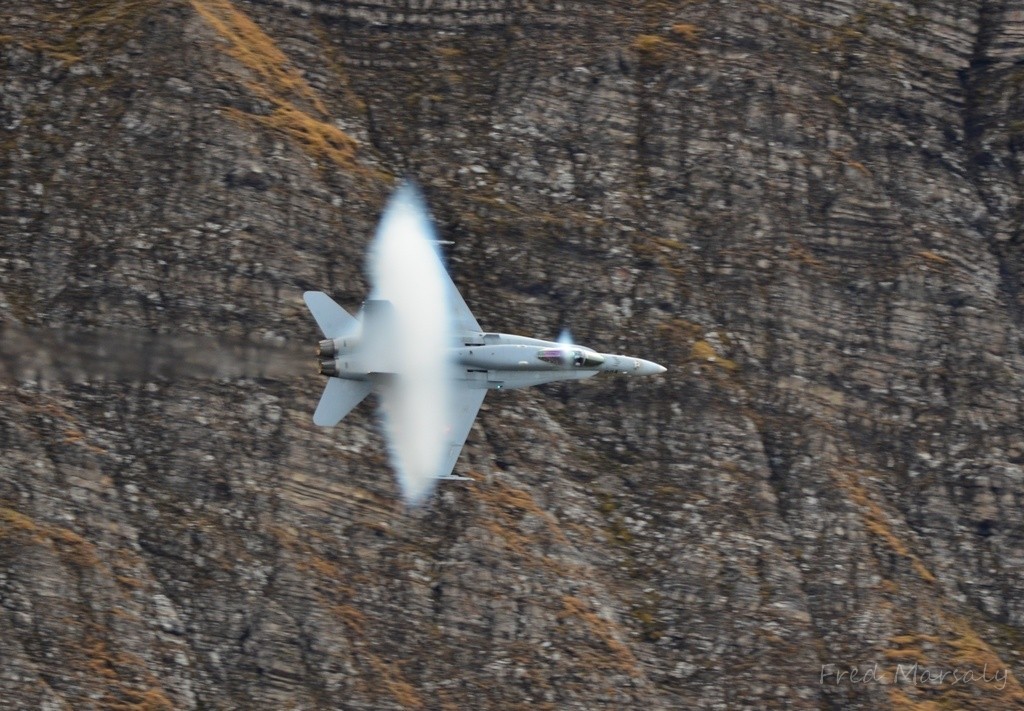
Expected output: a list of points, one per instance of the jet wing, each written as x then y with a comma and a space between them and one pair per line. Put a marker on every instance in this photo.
465, 404
462, 317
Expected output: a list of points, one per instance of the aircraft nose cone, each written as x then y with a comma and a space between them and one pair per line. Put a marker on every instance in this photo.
648, 367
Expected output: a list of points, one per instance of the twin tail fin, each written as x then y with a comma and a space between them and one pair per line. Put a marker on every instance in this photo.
340, 396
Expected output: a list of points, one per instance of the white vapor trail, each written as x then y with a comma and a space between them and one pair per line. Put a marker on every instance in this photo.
406, 270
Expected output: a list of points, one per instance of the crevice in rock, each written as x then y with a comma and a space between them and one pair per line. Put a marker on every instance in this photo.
980, 84
779, 468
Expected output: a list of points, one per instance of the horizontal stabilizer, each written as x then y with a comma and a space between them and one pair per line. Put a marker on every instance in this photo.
339, 397
333, 320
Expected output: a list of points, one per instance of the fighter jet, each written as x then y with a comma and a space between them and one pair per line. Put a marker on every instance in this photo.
416, 344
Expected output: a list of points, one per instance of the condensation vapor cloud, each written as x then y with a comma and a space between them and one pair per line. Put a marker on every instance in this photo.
406, 270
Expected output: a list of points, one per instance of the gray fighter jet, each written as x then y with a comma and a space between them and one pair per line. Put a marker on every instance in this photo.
416, 344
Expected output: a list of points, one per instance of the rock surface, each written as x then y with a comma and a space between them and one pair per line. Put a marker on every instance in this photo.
811, 212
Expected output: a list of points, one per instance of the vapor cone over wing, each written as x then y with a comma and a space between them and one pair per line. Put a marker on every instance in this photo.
413, 343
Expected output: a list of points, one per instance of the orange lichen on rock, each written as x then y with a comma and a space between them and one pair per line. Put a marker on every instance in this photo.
298, 112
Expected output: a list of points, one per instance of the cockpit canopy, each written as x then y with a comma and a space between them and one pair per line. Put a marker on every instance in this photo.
575, 356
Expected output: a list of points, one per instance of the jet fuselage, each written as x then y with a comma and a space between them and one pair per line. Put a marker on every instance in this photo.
493, 361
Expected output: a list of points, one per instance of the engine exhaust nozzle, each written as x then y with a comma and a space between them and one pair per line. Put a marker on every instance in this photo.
328, 367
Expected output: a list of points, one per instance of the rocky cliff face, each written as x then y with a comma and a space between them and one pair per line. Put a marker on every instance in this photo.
811, 212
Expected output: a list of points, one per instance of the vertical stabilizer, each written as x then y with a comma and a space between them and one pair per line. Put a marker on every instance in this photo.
333, 320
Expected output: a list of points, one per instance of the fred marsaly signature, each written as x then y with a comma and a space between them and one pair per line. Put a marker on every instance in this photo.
913, 675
